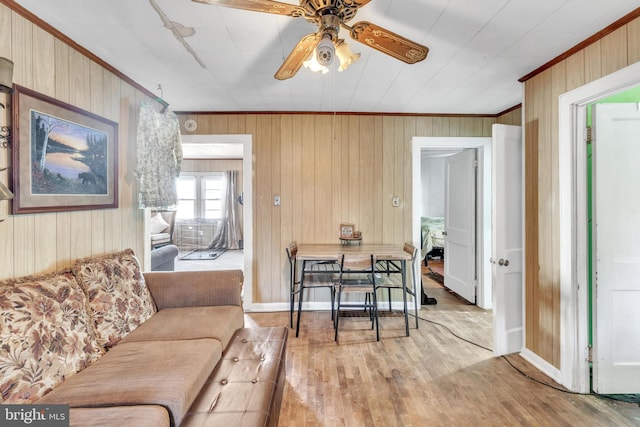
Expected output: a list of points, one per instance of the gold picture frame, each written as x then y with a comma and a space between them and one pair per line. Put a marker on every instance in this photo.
64, 158
347, 230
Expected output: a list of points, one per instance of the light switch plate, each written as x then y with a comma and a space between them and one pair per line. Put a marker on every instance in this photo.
395, 201
276, 200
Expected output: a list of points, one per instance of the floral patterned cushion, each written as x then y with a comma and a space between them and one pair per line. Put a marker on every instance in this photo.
119, 299
46, 335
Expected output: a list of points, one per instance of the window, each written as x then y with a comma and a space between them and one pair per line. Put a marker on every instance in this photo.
186, 197
212, 187
200, 196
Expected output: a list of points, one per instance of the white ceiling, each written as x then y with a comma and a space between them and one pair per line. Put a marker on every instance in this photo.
478, 51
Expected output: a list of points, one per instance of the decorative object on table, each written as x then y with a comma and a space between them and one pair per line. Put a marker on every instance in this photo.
346, 230
159, 157
349, 234
64, 158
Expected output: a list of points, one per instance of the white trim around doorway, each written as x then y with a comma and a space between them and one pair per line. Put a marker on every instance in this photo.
247, 207
574, 274
484, 298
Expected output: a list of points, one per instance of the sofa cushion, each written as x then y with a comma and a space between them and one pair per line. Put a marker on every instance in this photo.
141, 415
165, 373
218, 322
160, 238
46, 335
247, 386
118, 295
157, 224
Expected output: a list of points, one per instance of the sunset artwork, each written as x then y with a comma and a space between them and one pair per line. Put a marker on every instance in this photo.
66, 157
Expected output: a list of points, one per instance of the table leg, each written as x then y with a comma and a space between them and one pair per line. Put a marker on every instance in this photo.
404, 295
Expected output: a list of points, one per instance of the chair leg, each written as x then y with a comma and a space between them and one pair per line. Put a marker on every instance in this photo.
291, 302
415, 302
337, 316
333, 297
300, 295
374, 309
404, 302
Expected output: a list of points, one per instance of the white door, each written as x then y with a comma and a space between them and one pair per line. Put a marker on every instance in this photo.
616, 316
459, 223
506, 223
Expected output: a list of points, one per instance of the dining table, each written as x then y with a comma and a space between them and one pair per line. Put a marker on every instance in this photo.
391, 258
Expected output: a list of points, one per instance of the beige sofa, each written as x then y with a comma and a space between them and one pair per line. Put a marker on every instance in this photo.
125, 348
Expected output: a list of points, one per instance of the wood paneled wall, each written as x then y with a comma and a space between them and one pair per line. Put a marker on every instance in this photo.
512, 117
329, 169
616, 50
37, 243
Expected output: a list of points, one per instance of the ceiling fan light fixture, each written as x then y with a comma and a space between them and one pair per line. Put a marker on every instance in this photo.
330, 16
313, 64
345, 55
325, 51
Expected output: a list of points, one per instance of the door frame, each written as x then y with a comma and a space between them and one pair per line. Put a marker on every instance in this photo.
483, 194
574, 268
247, 208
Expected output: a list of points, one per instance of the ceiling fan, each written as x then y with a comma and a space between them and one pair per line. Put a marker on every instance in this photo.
329, 16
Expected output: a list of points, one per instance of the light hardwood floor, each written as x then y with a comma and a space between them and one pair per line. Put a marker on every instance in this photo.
431, 378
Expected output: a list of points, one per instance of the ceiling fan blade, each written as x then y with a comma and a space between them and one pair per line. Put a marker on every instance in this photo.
266, 6
299, 53
388, 42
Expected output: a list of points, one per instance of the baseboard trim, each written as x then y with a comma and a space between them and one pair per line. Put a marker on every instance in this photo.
542, 365
271, 307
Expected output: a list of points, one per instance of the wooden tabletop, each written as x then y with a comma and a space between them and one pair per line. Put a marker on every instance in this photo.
330, 250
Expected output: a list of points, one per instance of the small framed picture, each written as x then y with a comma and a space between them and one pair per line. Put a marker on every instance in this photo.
346, 230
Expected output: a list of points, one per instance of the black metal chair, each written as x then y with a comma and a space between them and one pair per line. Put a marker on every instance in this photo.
314, 273
292, 252
388, 275
356, 276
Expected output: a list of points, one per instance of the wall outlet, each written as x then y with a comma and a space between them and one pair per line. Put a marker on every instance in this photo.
395, 201
276, 200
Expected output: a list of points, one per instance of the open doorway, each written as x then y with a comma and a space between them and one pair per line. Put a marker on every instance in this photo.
498, 157
207, 161
574, 258
441, 146
448, 219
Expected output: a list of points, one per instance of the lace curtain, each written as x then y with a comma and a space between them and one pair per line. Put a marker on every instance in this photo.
159, 157
228, 234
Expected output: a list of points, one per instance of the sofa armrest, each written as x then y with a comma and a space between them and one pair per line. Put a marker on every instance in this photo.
171, 289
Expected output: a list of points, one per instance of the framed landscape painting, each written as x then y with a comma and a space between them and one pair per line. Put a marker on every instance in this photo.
64, 158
